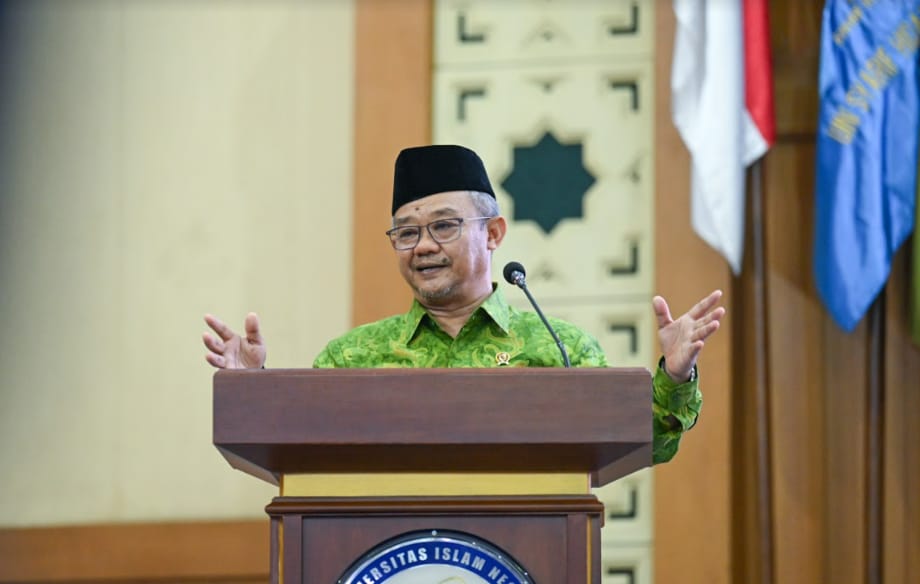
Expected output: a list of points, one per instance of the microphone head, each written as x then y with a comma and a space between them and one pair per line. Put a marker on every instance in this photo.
514, 273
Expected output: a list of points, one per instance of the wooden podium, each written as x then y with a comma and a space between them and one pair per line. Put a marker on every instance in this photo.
363, 456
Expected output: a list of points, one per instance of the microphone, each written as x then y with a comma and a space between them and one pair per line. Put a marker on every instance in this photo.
514, 274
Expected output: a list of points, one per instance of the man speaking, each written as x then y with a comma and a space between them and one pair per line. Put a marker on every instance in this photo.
445, 226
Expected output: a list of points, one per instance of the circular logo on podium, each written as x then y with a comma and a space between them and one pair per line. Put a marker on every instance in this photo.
435, 557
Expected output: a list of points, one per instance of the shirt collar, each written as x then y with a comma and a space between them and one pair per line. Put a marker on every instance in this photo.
413, 320
495, 306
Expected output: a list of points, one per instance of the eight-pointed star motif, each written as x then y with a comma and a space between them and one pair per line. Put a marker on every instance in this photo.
548, 182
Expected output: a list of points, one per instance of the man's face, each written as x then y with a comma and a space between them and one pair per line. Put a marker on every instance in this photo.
455, 273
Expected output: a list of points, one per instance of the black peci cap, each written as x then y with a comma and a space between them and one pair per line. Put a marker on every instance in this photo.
428, 170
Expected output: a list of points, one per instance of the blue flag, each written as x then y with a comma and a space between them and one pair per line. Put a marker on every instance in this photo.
866, 149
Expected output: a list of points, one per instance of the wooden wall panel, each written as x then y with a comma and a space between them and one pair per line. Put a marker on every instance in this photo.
844, 389
901, 537
795, 33
692, 492
822, 527
392, 111
749, 491
795, 319
794, 358
166, 552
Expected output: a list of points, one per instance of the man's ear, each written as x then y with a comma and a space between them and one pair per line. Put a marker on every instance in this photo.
497, 228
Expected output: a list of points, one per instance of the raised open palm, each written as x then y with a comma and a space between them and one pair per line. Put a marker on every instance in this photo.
682, 339
229, 350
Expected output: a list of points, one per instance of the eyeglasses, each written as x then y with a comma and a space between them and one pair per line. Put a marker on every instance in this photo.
441, 231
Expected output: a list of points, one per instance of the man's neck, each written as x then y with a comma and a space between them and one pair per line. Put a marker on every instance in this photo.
452, 317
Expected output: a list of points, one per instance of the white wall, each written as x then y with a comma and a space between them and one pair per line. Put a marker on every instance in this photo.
160, 160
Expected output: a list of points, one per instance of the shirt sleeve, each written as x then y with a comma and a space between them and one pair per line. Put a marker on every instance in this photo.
675, 409
675, 406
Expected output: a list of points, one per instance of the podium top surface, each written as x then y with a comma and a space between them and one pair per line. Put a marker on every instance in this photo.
285, 421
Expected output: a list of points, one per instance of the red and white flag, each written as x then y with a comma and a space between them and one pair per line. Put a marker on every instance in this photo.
722, 105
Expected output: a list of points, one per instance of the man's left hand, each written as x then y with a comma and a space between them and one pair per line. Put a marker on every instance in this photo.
682, 339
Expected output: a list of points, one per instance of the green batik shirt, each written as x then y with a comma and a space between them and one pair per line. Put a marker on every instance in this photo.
500, 335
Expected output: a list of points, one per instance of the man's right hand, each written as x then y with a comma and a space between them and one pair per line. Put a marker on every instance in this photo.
231, 351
